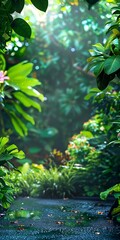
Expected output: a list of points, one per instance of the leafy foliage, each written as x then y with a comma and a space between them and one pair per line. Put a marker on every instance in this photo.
16, 95
60, 63
36, 181
105, 58
7, 153
115, 209
96, 158
20, 26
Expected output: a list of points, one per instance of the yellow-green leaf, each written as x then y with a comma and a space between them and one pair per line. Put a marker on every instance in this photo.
27, 102
20, 69
24, 114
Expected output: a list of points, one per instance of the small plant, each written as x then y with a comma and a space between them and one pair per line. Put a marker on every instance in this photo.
7, 153
114, 212
36, 181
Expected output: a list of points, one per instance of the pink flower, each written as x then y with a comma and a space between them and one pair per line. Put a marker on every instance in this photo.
3, 77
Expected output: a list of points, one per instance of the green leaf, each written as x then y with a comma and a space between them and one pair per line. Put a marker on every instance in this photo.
109, 41
25, 168
27, 102
40, 4
5, 204
16, 125
112, 64
14, 151
117, 195
3, 141
20, 154
5, 157
11, 147
19, 70
2, 173
87, 134
9, 198
24, 114
1, 195
22, 83
21, 27
116, 210
104, 79
22, 125
89, 96
2, 63
33, 92
19, 5
2, 181
99, 47
98, 68
115, 188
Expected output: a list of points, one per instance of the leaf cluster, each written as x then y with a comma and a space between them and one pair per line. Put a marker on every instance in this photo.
36, 181
59, 62
7, 153
19, 25
17, 93
105, 59
95, 150
114, 212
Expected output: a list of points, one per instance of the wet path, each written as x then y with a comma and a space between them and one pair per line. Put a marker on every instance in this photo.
36, 219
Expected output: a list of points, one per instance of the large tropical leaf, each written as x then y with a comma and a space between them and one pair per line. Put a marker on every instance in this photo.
21, 69
21, 27
33, 92
40, 4
24, 114
112, 64
19, 126
27, 102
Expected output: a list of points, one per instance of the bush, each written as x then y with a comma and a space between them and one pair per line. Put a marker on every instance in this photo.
36, 181
98, 159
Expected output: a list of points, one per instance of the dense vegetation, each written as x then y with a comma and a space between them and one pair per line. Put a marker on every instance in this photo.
57, 55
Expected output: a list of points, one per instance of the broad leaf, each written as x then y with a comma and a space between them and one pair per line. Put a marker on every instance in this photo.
21, 82
20, 69
40, 4
2, 62
33, 92
20, 155
27, 102
99, 47
5, 157
98, 68
21, 27
19, 4
3, 141
17, 126
11, 147
87, 134
24, 114
112, 64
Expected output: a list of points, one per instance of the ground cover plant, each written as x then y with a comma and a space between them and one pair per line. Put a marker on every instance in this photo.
36, 181
114, 212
